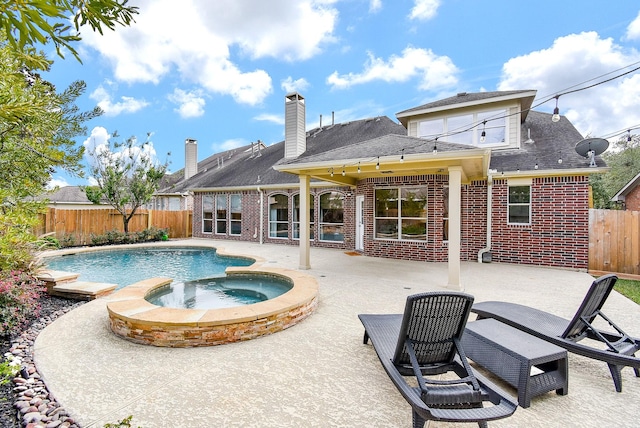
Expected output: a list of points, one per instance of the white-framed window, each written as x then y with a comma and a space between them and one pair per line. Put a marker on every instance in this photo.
279, 216
221, 214
468, 128
332, 217
207, 214
401, 213
519, 205
296, 216
235, 219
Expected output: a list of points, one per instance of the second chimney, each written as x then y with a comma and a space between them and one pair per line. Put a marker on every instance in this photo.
295, 135
190, 158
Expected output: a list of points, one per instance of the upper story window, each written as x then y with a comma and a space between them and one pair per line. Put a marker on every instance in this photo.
460, 128
519, 205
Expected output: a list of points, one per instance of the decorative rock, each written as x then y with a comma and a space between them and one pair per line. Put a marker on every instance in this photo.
32, 417
53, 424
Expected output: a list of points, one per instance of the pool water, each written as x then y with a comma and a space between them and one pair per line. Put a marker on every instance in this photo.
222, 292
127, 266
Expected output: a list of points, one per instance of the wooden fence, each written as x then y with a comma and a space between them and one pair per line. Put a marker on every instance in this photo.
614, 243
81, 224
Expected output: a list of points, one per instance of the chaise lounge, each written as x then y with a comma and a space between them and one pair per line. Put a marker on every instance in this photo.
618, 348
424, 343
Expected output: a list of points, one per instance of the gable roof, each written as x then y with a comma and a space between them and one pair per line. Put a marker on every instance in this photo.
67, 195
244, 169
466, 99
632, 184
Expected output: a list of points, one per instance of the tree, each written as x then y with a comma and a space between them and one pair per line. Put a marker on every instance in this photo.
127, 176
29, 23
37, 127
623, 159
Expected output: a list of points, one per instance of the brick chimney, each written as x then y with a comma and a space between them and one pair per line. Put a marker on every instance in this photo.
295, 136
190, 158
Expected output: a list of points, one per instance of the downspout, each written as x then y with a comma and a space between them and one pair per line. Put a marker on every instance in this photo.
260, 192
487, 249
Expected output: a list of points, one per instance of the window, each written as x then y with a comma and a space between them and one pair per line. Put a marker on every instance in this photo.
519, 206
296, 216
279, 216
235, 221
331, 217
207, 214
221, 214
401, 213
467, 128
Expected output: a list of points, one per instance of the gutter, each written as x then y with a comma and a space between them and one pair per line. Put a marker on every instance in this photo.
487, 249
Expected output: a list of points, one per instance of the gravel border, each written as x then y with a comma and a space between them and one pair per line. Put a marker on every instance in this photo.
25, 401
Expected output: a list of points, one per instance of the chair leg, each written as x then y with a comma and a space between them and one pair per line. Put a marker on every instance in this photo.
418, 421
616, 375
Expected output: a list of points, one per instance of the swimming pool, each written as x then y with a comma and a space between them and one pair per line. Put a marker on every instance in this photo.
127, 266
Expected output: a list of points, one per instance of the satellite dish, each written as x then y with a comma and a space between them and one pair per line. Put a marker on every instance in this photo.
591, 147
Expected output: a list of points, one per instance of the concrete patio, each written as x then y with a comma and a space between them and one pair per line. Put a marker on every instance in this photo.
317, 373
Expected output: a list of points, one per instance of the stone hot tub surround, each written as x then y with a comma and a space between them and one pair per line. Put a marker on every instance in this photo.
137, 320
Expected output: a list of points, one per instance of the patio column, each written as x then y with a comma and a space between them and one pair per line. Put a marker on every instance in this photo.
304, 222
455, 185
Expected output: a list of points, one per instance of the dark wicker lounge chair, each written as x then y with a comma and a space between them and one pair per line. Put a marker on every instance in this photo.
425, 342
618, 348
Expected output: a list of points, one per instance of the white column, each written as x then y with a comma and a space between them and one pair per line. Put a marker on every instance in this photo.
455, 191
304, 222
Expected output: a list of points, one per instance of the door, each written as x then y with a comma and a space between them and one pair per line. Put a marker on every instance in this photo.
360, 222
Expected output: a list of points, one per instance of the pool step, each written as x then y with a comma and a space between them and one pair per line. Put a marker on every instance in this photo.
66, 284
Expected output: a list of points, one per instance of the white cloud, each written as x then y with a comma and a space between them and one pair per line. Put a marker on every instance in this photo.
228, 144
190, 104
273, 118
198, 37
577, 61
57, 182
375, 6
432, 70
424, 9
290, 85
633, 30
110, 108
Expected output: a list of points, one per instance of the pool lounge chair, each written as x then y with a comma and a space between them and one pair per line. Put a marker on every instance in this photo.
618, 348
425, 342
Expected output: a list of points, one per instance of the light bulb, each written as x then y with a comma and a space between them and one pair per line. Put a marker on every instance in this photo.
483, 137
556, 115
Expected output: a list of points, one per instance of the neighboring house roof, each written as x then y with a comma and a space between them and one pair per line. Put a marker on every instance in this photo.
246, 169
67, 195
628, 188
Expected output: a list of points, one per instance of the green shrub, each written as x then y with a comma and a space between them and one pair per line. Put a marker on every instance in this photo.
114, 237
19, 301
68, 240
125, 423
48, 242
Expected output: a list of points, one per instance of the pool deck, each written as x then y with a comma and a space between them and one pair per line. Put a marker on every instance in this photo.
317, 373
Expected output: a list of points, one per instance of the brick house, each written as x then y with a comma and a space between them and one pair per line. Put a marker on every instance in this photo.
629, 195
477, 176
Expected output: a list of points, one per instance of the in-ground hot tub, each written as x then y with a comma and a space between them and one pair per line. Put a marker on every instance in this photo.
134, 318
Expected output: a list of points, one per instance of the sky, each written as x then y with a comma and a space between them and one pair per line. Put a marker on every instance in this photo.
218, 71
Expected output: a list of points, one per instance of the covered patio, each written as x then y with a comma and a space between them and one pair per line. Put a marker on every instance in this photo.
317, 373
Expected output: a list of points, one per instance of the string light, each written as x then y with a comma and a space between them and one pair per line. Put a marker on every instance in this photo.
332, 172
483, 136
435, 147
402, 156
556, 111
628, 136
378, 164
343, 171
358, 167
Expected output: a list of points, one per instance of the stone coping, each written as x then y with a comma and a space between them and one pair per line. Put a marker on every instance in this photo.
135, 319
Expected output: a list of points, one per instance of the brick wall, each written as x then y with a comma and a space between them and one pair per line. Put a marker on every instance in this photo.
632, 200
557, 236
559, 231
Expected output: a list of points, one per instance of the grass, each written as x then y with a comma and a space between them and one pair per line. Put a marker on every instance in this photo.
629, 288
